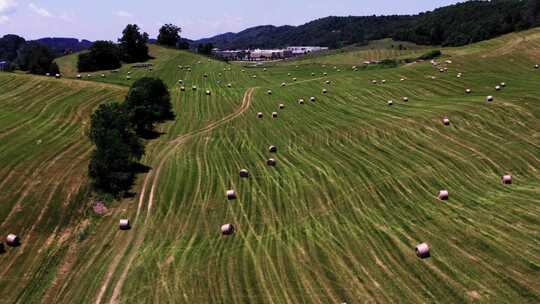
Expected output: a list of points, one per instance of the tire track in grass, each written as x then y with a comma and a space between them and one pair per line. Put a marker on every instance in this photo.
172, 146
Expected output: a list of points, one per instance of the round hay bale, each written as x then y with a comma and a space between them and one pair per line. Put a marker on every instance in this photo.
281, 106
274, 114
242, 71
180, 81
422, 250
506, 179
13, 240
271, 162
227, 229
57, 75
231, 194
312, 74
312, 98
503, 84
79, 76
254, 76
208, 92
446, 121
229, 85
189, 69
194, 88
325, 74
182, 88
324, 91
124, 224
536, 66
374, 81
390, 102
405, 99
294, 79
128, 77
327, 82
288, 74
301, 101
383, 81
272, 149
283, 84
129, 72
205, 75
244, 173
489, 98
468, 91
498, 88
102, 75
89, 75
260, 115
269, 92
264, 69
219, 74
47, 74
402, 79
443, 195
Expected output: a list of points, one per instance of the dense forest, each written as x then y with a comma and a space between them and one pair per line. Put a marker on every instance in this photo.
453, 25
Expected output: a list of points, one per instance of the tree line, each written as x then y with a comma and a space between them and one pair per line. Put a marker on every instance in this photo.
117, 131
29, 56
453, 25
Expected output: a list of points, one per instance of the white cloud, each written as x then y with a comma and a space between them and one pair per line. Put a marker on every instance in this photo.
39, 10
6, 8
123, 14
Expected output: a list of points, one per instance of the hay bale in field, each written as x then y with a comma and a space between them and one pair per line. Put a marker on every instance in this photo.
443, 195
208, 92
374, 81
180, 81
254, 76
260, 115
324, 91
468, 91
227, 229
283, 84
289, 74
506, 179
229, 85
57, 76
269, 92
405, 99
327, 82
219, 74
128, 77
194, 88
536, 66
325, 74
294, 79
124, 224
242, 71
281, 106
89, 75
503, 84
244, 173
402, 79
497, 88
301, 101
264, 70
79, 76
231, 194
489, 98
129, 72
274, 114
312, 74
13, 240
312, 98
271, 162
205, 75
383, 81
47, 74
182, 88
446, 121
102, 75
390, 102
272, 149
422, 250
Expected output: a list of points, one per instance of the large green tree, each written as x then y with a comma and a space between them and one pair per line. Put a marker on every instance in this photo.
169, 35
103, 55
148, 102
133, 44
117, 149
37, 59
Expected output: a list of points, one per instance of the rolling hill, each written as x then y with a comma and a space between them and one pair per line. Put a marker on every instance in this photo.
336, 220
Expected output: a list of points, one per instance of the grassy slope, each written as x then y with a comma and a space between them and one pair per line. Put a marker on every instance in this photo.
353, 192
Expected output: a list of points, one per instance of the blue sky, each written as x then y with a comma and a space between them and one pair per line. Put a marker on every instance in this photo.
100, 19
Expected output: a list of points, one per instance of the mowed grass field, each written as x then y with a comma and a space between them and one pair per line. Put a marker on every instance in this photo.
354, 190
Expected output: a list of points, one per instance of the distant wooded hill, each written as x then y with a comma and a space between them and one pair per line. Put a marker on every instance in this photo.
453, 25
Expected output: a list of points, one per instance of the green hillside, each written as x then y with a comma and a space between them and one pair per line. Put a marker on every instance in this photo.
337, 220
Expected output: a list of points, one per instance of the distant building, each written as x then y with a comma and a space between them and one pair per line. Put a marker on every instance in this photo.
4, 65
303, 50
259, 54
